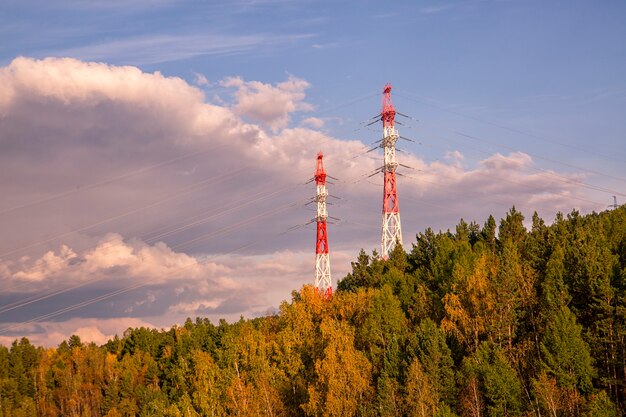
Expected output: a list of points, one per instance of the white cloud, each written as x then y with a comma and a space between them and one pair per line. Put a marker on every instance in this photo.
313, 122
454, 156
514, 161
269, 104
70, 81
92, 334
50, 263
325, 45
171, 287
201, 80
134, 260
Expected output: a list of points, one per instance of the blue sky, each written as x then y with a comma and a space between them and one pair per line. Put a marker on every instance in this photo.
511, 103
554, 70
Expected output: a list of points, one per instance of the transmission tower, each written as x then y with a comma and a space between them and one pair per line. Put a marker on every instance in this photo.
322, 262
391, 230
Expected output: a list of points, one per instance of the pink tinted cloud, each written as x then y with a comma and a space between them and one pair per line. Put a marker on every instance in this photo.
193, 287
134, 260
269, 104
52, 333
71, 81
68, 123
313, 122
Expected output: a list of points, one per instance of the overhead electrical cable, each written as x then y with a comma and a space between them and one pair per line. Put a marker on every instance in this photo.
235, 206
124, 290
229, 208
82, 188
185, 190
510, 148
414, 97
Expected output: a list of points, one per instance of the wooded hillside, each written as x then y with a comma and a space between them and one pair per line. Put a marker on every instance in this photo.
492, 320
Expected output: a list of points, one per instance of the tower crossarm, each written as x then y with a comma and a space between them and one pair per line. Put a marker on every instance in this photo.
320, 198
388, 143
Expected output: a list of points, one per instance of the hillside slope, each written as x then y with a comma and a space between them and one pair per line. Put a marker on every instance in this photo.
483, 321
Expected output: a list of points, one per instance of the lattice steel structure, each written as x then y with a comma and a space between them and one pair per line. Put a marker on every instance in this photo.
323, 280
391, 229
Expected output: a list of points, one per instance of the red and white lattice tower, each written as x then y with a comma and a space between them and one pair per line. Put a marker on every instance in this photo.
322, 262
391, 230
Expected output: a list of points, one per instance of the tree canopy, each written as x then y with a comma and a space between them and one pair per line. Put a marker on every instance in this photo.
491, 321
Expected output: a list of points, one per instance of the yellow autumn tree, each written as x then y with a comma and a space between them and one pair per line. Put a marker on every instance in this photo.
342, 374
470, 306
254, 383
206, 385
421, 398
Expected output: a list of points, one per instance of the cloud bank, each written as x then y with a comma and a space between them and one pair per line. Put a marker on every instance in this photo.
132, 186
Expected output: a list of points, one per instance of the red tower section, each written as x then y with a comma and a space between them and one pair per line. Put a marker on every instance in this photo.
320, 182
390, 193
389, 112
391, 230
322, 261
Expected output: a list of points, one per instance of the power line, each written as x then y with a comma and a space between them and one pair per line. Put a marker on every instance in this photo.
238, 225
567, 180
413, 97
230, 207
582, 184
500, 201
106, 181
124, 290
344, 104
542, 157
228, 229
551, 175
221, 232
563, 179
237, 205
188, 189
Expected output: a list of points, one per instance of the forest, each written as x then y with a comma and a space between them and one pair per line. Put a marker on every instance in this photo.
486, 320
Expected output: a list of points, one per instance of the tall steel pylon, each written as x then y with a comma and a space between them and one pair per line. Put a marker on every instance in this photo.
391, 230
322, 261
